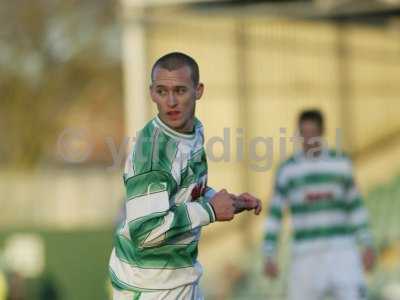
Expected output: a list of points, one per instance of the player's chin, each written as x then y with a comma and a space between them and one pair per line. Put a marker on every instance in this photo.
175, 124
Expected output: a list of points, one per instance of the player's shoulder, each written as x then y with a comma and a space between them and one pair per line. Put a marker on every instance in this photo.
153, 150
290, 161
198, 124
339, 154
285, 165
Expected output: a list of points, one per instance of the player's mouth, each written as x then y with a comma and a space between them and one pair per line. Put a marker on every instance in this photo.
174, 114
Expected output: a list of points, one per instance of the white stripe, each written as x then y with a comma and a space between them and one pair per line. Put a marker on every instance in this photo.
129, 170
187, 237
314, 220
157, 235
197, 214
278, 201
359, 217
309, 247
353, 193
184, 194
153, 278
144, 205
122, 295
125, 231
179, 162
269, 249
272, 225
300, 169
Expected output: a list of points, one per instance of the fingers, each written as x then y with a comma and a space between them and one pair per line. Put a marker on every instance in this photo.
258, 208
248, 198
244, 201
251, 202
233, 197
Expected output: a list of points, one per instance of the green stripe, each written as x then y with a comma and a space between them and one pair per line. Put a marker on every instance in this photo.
355, 204
150, 182
271, 237
361, 227
154, 150
275, 212
143, 149
197, 168
181, 222
325, 232
137, 295
207, 206
316, 178
327, 205
160, 257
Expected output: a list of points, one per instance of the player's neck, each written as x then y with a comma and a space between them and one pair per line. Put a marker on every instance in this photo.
186, 129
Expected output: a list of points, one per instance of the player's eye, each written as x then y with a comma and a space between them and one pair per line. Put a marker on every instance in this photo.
181, 90
161, 92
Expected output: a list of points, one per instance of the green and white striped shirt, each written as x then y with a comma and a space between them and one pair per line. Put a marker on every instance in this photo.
324, 203
167, 203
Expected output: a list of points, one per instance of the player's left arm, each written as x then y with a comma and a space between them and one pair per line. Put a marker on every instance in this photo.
358, 220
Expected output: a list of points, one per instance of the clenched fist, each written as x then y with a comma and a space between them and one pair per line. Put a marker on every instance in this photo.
222, 203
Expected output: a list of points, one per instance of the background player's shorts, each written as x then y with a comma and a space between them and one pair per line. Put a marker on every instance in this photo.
336, 272
187, 292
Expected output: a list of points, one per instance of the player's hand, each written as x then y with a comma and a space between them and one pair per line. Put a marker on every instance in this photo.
247, 201
222, 203
368, 259
271, 269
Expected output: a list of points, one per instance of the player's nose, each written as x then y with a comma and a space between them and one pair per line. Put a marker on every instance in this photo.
171, 100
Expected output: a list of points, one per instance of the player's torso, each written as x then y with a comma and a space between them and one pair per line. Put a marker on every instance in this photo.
316, 196
310, 182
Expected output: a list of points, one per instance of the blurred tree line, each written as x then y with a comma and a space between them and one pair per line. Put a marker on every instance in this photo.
59, 62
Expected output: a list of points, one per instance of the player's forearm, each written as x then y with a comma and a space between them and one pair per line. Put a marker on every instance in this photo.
156, 229
272, 228
270, 247
358, 220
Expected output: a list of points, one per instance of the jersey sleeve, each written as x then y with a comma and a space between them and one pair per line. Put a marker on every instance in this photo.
358, 215
273, 221
152, 216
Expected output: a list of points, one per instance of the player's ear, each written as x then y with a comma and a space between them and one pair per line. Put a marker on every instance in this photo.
199, 91
151, 90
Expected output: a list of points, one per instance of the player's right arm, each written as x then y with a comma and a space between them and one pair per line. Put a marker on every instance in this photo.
273, 226
152, 216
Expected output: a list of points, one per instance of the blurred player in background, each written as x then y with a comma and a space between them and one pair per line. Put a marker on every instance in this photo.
168, 200
329, 222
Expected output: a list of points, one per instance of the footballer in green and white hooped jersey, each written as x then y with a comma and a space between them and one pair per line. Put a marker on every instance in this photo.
168, 200
328, 221
156, 247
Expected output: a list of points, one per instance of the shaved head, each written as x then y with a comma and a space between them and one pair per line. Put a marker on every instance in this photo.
176, 60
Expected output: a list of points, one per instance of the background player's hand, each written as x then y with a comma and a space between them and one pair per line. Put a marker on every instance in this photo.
222, 203
247, 201
368, 258
271, 269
